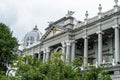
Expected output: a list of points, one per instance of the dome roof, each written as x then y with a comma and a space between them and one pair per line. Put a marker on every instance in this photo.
32, 37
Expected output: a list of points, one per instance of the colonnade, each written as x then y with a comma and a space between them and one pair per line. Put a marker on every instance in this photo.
68, 47
100, 46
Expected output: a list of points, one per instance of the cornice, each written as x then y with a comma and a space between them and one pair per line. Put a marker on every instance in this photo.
62, 19
106, 17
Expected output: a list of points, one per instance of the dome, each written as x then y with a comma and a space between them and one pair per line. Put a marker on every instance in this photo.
32, 37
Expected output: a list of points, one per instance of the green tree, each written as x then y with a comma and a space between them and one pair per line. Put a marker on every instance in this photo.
7, 46
53, 69
96, 74
30, 68
91, 72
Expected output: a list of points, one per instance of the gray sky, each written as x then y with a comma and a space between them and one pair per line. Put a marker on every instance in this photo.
22, 15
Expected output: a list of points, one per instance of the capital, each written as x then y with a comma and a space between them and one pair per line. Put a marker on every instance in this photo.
99, 32
73, 41
63, 43
68, 42
115, 26
85, 37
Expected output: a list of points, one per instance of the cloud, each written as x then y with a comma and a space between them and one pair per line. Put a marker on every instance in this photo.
23, 15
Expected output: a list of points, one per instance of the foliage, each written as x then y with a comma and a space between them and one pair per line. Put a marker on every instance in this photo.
91, 72
96, 74
78, 61
54, 69
7, 41
30, 68
7, 46
3, 77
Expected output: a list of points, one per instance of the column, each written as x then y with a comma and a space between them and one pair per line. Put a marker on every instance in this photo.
63, 50
38, 56
85, 51
47, 53
33, 53
44, 55
99, 47
110, 45
73, 51
96, 51
68, 44
117, 42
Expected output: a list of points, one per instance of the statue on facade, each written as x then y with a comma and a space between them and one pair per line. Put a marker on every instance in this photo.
70, 13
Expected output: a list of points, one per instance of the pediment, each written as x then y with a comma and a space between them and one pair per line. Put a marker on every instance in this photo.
54, 31
54, 28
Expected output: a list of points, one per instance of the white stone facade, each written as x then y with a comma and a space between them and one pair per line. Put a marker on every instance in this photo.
97, 39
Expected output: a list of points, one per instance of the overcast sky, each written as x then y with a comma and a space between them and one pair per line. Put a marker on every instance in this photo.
22, 15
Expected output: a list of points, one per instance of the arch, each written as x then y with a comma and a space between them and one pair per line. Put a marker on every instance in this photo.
58, 49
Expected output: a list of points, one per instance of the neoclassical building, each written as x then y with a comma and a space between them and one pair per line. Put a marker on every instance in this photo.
97, 39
